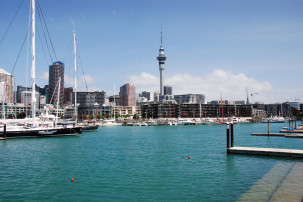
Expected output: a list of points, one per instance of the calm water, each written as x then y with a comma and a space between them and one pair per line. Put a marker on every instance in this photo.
137, 163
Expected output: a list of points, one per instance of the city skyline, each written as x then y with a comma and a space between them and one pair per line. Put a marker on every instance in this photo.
215, 48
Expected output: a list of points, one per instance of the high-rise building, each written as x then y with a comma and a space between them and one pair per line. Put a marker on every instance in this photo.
127, 95
26, 98
145, 94
168, 90
190, 99
8, 82
56, 71
67, 95
161, 58
156, 96
114, 99
87, 100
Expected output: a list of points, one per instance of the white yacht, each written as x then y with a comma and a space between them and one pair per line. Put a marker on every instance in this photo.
151, 122
208, 121
111, 122
274, 119
181, 121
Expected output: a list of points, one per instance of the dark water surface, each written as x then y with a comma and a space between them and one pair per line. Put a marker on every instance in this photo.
138, 163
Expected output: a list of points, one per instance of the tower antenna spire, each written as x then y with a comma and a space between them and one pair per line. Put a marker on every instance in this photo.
161, 58
161, 34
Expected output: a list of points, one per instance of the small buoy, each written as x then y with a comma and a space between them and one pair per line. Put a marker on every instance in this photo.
72, 179
188, 157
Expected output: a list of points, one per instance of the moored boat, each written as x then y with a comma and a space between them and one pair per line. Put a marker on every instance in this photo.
40, 132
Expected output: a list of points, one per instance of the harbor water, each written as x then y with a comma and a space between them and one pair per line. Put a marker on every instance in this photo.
144, 164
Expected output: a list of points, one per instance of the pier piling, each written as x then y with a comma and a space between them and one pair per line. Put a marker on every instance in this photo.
4, 131
231, 134
227, 137
268, 127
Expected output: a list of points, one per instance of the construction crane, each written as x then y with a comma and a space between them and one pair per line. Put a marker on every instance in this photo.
251, 94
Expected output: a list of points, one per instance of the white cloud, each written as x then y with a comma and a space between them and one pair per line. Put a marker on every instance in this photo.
72, 21
43, 76
69, 81
87, 78
219, 82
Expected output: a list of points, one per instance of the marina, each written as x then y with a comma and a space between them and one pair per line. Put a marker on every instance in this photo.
148, 163
218, 122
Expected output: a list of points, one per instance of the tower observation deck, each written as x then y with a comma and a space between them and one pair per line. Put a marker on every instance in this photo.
161, 58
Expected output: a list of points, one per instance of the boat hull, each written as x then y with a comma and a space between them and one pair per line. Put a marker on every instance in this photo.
90, 128
39, 132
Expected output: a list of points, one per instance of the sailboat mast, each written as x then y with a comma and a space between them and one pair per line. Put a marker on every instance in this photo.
114, 102
75, 63
58, 101
33, 62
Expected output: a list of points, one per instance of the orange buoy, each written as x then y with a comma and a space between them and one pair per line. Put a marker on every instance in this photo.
188, 157
72, 179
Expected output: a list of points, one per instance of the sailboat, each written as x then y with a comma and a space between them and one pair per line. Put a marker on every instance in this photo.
112, 121
85, 127
45, 125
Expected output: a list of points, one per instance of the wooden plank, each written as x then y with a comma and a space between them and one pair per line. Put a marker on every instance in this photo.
267, 151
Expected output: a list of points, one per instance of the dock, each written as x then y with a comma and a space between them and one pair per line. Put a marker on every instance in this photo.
231, 149
291, 135
292, 131
293, 153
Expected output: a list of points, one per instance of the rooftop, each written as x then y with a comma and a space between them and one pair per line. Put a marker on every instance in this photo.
2, 71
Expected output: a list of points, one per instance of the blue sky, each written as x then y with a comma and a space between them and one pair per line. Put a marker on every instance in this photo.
213, 47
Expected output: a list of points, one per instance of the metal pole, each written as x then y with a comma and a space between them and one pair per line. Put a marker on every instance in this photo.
232, 134
268, 128
4, 131
227, 136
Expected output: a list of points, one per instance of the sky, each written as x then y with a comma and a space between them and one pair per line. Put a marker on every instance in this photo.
214, 47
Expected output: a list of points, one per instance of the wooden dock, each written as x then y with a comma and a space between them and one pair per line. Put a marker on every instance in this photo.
266, 151
291, 135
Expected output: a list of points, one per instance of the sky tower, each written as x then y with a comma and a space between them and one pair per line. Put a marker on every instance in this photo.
161, 59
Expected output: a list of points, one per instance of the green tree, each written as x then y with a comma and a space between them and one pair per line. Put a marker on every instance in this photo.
295, 112
10, 116
21, 115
